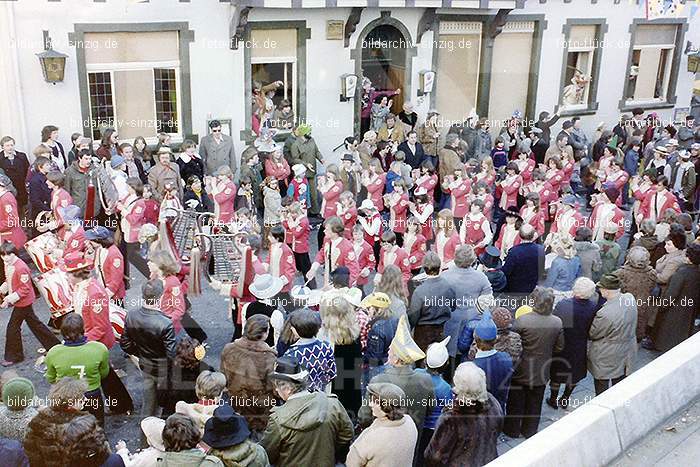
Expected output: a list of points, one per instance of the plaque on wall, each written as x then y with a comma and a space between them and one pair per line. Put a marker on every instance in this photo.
334, 29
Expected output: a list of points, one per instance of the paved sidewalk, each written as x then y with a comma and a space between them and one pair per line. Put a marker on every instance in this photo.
676, 442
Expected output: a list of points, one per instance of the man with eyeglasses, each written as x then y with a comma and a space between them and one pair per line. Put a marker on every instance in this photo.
217, 149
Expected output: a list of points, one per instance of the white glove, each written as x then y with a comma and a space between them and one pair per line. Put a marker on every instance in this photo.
192, 203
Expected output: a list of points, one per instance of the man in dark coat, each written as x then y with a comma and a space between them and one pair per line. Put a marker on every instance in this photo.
674, 322
545, 123
15, 165
524, 263
413, 150
542, 336
538, 146
39, 192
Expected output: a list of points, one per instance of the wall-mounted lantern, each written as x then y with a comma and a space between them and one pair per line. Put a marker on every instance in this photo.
348, 87
53, 64
426, 80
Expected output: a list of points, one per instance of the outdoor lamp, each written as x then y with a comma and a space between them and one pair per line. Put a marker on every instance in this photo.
53, 64
693, 57
348, 87
426, 80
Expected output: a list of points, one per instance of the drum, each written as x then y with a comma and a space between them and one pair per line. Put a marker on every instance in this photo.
54, 287
42, 250
117, 317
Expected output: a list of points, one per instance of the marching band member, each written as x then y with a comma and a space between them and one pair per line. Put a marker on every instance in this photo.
509, 236
133, 212
458, 186
427, 179
398, 210
658, 200
568, 166
605, 163
640, 187
223, 192
108, 262
391, 253
298, 225
607, 213
10, 226
17, 291
617, 178
60, 198
299, 186
330, 188
371, 222
476, 228
365, 256
486, 173
152, 206
532, 214
526, 165
336, 251
509, 187
544, 189
90, 299
347, 211
482, 192
280, 261
554, 173
374, 179
172, 302
422, 210
415, 244
75, 234
446, 238
568, 219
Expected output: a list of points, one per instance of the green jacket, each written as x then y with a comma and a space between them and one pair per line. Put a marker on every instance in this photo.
88, 361
306, 430
304, 151
246, 454
189, 458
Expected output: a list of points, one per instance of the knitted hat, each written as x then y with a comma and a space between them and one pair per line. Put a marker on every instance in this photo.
116, 161
304, 129
299, 170
18, 393
502, 317
388, 393
486, 329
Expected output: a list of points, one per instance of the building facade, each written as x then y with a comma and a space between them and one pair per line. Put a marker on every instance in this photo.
172, 66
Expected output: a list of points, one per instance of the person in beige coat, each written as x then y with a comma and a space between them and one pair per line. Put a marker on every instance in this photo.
165, 172
613, 347
449, 158
391, 427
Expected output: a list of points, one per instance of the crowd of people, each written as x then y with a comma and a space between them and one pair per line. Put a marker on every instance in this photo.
453, 273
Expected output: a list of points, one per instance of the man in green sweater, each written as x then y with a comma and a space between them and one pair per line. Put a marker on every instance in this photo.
77, 358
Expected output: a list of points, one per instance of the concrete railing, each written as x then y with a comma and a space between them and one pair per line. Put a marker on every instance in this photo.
604, 428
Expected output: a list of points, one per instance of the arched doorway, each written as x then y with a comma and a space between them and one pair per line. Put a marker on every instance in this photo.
384, 53
384, 60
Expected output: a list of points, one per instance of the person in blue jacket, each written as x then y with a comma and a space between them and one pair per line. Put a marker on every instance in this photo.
498, 366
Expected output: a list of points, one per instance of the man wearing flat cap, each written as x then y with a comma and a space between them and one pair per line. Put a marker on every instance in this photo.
613, 346
309, 427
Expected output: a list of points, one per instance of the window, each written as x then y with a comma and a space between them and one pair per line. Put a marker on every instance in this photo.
134, 83
649, 74
579, 70
101, 104
274, 58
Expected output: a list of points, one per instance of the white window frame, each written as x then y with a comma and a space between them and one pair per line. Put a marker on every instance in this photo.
142, 66
588, 72
667, 74
293, 61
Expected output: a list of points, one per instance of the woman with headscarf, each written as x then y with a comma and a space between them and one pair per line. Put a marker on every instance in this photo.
639, 278
467, 433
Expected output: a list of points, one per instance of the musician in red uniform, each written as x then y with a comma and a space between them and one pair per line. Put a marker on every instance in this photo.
133, 217
298, 225
60, 198
330, 188
17, 291
395, 255
476, 228
510, 186
223, 192
364, 254
90, 299
397, 201
371, 222
568, 219
152, 206
280, 262
10, 226
606, 213
172, 302
347, 210
336, 251
422, 210
74, 234
658, 200
458, 186
108, 263
509, 236
415, 244
532, 214
446, 238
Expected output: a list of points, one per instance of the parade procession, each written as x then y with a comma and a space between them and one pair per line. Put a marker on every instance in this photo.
215, 253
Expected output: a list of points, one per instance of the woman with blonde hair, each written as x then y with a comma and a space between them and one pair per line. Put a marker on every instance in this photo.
374, 179
565, 268
392, 284
341, 328
446, 238
467, 432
